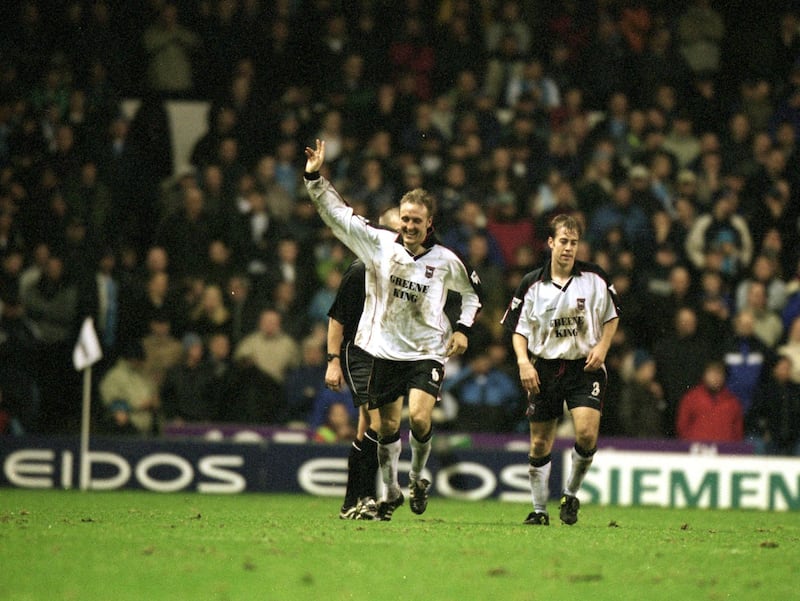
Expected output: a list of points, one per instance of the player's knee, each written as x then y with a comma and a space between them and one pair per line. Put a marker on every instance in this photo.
388, 426
586, 438
539, 447
419, 419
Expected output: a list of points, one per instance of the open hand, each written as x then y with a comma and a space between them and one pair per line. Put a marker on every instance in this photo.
315, 157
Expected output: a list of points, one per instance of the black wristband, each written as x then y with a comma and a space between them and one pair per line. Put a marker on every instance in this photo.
332, 356
311, 176
464, 329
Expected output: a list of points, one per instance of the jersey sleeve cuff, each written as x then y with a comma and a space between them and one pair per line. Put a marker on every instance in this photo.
460, 327
311, 176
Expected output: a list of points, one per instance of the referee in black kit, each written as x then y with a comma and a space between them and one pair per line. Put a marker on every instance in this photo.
562, 319
345, 313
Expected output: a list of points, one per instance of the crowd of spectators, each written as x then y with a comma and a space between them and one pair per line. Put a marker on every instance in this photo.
670, 129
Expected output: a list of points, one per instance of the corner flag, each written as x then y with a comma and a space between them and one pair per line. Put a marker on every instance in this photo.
87, 351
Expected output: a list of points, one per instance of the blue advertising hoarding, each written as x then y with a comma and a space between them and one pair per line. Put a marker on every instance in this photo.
226, 467
696, 476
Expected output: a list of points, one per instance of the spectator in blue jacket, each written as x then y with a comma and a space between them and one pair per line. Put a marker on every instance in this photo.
488, 398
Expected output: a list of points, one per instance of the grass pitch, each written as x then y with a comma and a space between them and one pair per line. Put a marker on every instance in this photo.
69, 545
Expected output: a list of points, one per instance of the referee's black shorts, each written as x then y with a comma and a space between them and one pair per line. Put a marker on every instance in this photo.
358, 365
565, 381
379, 381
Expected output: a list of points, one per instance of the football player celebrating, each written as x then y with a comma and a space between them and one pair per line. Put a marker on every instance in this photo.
403, 329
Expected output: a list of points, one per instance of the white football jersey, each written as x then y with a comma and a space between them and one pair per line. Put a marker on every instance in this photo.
562, 322
403, 317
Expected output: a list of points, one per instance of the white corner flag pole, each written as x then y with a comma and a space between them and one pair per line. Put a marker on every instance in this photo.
87, 352
85, 465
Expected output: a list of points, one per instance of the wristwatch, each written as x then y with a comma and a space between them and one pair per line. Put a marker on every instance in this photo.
332, 356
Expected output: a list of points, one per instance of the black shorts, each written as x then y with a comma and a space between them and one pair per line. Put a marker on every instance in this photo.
382, 381
564, 381
358, 365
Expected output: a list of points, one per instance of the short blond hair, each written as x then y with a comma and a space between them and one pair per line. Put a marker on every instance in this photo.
422, 197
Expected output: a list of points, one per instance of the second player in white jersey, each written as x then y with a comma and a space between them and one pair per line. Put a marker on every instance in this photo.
562, 322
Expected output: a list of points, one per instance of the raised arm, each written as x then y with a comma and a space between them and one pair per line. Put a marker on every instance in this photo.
354, 231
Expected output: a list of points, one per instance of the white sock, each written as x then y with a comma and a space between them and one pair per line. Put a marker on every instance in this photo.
540, 486
420, 451
388, 458
580, 465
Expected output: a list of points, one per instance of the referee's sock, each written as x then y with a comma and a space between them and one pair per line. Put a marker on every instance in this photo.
389, 448
368, 465
353, 474
581, 462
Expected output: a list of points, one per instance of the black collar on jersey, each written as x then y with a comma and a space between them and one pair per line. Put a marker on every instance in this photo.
427, 243
547, 273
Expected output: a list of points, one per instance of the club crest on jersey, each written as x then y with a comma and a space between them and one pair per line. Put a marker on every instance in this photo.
581, 304
429, 269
